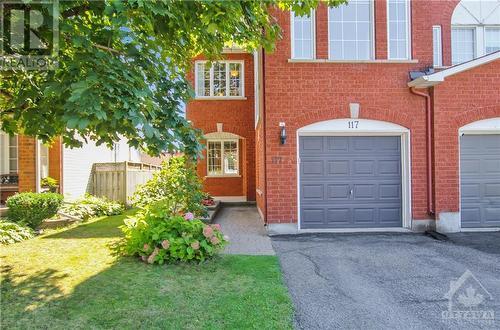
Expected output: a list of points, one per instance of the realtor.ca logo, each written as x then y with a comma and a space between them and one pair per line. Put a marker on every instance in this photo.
468, 301
29, 34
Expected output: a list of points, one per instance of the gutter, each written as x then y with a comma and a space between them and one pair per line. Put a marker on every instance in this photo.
428, 138
264, 130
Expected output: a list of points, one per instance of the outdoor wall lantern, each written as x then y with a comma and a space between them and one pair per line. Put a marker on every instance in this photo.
282, 133
354, 109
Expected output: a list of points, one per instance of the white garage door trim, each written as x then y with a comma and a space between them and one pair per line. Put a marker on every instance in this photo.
480, 127
363, 127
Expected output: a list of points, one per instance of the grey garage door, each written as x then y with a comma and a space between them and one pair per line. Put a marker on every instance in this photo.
480, 180
350, 182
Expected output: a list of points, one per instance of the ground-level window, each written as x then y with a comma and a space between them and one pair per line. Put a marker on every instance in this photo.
222, 157
221, 79
8, 154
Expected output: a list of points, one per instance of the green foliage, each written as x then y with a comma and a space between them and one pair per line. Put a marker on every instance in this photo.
11, 232
49, 183
91, 206
32, 208
158, 237
178, 184
123, 65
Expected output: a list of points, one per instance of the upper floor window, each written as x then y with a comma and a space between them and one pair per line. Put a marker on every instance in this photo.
475, 30
221, 79
437, 48
350, 31
222, 157
303, 36
398, 21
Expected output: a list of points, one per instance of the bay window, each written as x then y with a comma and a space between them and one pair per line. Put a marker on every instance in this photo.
221, 79
222, 157
303, 36
398, 19
350, 31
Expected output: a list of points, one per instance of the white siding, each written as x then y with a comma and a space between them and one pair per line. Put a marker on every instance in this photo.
77, 164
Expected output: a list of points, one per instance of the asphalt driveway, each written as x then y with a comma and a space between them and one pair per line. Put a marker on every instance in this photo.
388, 281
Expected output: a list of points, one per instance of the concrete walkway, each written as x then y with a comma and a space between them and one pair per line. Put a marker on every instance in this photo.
245, 229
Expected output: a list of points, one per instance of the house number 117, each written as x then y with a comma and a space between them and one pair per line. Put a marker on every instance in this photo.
353, 123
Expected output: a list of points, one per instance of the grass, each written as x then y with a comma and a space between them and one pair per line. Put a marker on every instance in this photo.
71, 278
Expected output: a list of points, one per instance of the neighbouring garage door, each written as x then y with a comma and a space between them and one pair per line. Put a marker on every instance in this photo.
350, 182
480, 180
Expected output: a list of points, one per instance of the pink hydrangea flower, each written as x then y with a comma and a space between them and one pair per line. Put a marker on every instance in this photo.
216, 227
214, 240
189, 216
153, 255
165, 244
208, 231
195, 245
145, 247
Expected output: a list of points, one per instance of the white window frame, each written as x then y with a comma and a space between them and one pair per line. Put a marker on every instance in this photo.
485, 28
227, 62
313, 35
408, 33
372, 36
477, 52
224, 174
479, 38
439, 45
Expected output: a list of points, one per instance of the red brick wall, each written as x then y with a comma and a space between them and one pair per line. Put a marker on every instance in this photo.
303, 93
237, 117
462, 99
27, 163
55, 162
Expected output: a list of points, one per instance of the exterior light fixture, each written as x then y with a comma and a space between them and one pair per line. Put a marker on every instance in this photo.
282, 133
354, 109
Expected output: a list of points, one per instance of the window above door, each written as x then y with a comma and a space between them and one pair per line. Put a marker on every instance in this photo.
219, 80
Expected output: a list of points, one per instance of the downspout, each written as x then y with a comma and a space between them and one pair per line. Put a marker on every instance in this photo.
428, 137
264, 130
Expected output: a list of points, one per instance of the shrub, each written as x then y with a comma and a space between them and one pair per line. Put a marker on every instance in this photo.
91, 206
32, 208
11, 232
49, 183
159, 237
176, 182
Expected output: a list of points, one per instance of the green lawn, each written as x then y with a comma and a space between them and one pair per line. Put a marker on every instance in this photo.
72, 279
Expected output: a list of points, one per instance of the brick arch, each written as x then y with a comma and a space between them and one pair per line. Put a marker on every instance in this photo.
476, 114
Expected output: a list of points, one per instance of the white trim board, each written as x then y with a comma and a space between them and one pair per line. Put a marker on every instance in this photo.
439, 77
364, 127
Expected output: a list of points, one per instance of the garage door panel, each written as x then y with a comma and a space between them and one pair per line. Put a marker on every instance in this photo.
338, 216
369, 166
338, 191
314, 192
390, 216
480, 180
389, 167
312, 167
337, 144
313, 216
338, 167
311, 144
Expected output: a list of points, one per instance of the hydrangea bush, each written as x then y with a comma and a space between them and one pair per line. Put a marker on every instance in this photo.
177, 183
157, 236
92, 206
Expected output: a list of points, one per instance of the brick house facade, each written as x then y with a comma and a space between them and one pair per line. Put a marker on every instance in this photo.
313, 94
